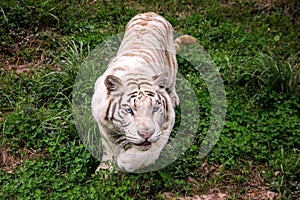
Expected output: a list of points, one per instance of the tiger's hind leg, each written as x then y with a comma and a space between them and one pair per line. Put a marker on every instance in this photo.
174, 98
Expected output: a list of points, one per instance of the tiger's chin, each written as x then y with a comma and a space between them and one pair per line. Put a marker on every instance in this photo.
138, 156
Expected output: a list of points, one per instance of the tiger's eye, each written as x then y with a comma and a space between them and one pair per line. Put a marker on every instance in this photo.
128, 110
155, 109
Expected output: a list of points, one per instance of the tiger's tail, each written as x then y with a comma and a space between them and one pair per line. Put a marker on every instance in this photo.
184, 39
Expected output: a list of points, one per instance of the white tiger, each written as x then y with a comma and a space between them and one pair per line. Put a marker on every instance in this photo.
134, 99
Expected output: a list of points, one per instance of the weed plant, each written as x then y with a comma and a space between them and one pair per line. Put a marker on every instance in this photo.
255, 46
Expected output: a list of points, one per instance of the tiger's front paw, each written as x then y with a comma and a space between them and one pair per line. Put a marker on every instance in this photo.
107, 169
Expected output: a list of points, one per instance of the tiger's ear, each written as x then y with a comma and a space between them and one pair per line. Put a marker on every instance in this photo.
161, 80
112, 83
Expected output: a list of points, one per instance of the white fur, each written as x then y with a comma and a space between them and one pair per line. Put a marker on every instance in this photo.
128, 61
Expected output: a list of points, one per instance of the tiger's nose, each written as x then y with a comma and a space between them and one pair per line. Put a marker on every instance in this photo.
146, 134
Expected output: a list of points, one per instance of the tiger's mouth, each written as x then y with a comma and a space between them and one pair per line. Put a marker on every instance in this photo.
144, 144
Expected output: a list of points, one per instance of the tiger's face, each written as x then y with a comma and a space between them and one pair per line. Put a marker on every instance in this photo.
138, 109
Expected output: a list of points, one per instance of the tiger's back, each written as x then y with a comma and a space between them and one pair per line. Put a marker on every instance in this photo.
147, 48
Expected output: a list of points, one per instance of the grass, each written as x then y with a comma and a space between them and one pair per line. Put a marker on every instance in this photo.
255, 46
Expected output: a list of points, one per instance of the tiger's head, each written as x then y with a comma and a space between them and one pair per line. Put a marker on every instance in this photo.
140, 109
